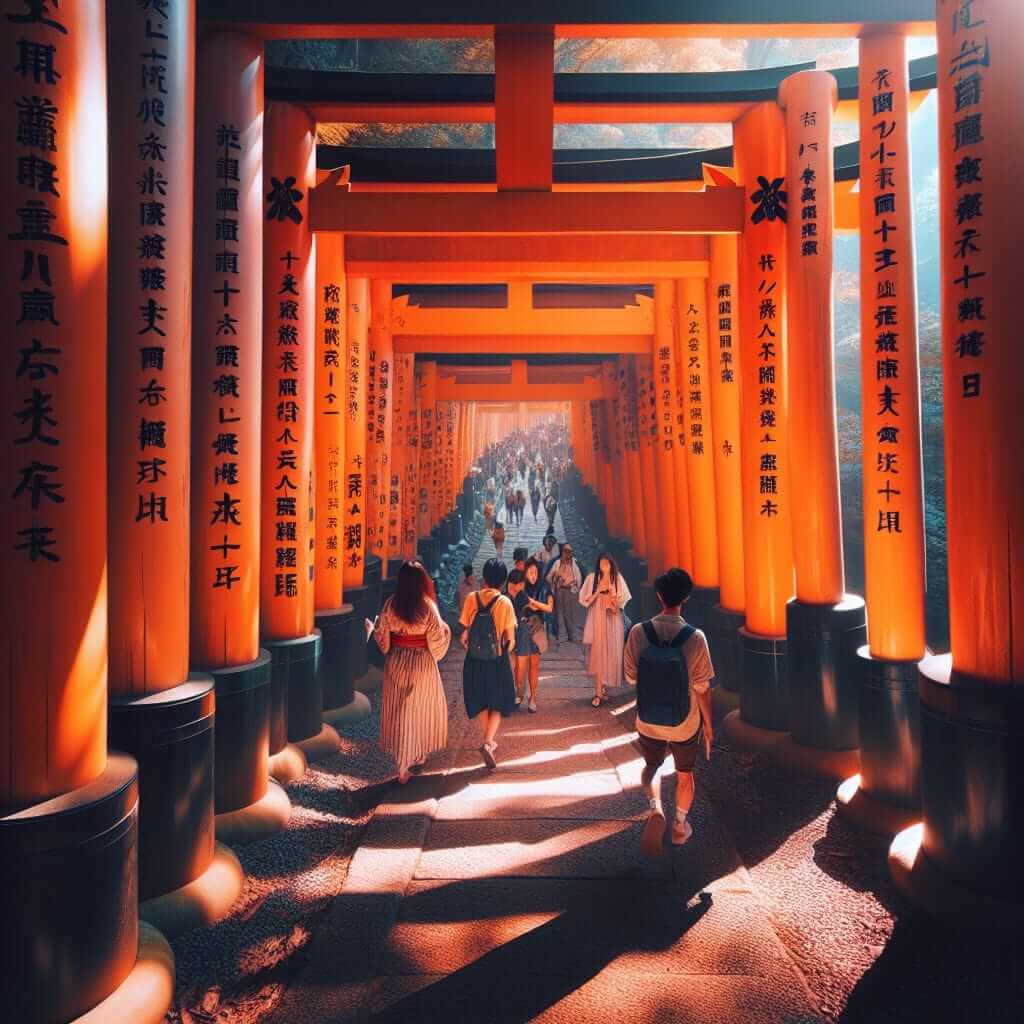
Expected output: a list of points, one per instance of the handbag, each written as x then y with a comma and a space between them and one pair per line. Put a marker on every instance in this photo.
538, 632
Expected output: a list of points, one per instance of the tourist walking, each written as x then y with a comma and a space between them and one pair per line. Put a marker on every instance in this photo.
498, 536
604, 594
520, 507
565, 579
532, 604
414, 638
551, 508
669, 663
534, 499
488, 689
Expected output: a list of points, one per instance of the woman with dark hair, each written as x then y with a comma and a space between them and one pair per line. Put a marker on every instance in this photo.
411, 632
604, 594
532, 603
488, 689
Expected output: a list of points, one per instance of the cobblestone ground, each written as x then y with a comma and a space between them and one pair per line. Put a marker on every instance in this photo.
520, 894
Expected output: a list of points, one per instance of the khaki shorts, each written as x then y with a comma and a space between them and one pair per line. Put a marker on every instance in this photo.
655, 751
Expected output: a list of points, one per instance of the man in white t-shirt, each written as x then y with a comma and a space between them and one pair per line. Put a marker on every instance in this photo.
683, 740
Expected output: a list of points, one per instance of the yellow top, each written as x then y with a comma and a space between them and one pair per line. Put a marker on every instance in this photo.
503, 613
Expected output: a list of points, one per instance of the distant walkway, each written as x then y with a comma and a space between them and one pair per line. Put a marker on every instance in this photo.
521, 894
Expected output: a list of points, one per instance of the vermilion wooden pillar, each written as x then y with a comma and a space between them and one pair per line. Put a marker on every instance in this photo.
426, 392
356, 361
616, 376
331, 381
379, 421
697, 442
68, 922
724, 375
361, 587
150, 372
226, 405
150, 363
824, 625
289, 399
336, 619
655, 527
894, 540
406, 381
632, 445
971, 700
674, 533
398, 491
767, 504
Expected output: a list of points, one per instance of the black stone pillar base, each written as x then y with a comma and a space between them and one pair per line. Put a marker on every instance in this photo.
745, 736
69, 926
373, 577
145, 996
863, 811
336, 627
356, 710
972, 763
764, 682
360, 598
389, 580
294, 681
429, 553
819, 762
323, 745
945, 896
241, 733
288, 765
824, 672
205, 900
171, 736
890, 730
723, 637
700, 605
255, 821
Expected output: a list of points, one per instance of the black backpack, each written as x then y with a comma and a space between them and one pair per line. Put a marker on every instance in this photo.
483, 636
662, 679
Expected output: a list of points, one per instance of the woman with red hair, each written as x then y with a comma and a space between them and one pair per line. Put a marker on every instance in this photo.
414, 637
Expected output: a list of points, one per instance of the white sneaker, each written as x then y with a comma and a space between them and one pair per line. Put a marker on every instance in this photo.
532, 705
681, 833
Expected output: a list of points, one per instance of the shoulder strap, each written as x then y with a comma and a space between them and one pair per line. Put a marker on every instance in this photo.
651, 633
487, 607
683, 635
479, 601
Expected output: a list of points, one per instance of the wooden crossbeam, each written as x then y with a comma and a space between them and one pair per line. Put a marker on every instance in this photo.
525, 344
719, 211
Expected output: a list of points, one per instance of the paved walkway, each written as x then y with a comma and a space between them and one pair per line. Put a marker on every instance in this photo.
521, 894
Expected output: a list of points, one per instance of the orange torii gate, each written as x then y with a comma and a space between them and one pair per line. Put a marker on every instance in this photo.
190, 515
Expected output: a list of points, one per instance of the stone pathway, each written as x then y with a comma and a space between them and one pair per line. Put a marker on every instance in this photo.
521, 894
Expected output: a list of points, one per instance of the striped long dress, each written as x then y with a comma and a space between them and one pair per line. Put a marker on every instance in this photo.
414, 715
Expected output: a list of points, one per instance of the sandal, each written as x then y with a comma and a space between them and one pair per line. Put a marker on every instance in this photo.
596, 702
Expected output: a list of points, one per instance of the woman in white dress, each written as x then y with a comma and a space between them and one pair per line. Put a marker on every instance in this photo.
604, 594
411, 632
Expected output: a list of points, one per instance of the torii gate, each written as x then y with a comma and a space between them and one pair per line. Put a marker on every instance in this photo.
239, 360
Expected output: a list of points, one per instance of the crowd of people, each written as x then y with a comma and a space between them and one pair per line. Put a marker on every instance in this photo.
508, 620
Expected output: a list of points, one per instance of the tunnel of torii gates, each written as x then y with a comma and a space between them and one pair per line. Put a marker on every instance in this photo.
226, 425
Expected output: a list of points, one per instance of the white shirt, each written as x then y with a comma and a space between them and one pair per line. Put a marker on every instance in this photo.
698, 666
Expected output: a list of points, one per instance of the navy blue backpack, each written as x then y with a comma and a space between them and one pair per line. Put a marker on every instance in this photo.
662, 678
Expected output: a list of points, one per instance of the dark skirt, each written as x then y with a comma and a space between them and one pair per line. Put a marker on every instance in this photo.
524, 641
488, 685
